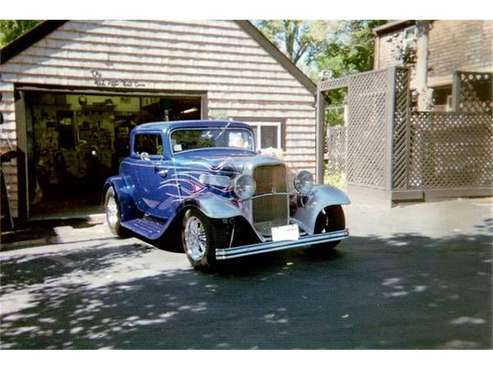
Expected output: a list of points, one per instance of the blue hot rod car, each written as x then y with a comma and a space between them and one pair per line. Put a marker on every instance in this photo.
202, 186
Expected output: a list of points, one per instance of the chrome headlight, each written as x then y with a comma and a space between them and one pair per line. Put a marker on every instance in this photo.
303, 182
244, 186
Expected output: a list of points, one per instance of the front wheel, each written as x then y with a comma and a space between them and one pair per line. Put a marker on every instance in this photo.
200, 237
330, 219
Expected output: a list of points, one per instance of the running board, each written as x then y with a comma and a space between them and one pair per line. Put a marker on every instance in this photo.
147, 227
248, 250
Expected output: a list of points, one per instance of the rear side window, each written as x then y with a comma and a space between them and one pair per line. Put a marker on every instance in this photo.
151, 144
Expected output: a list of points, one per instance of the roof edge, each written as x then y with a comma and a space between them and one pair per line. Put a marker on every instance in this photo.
28, 38
278, 55
392, 26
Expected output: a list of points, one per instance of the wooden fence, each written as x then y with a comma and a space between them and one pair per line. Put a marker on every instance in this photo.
412, 155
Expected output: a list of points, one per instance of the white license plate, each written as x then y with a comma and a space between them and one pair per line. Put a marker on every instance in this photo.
288, 232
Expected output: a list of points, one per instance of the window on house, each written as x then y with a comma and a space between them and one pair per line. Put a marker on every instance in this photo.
267, 134
442, 98
148, 143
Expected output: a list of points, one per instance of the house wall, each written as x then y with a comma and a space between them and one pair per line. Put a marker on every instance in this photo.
452, 45
386, 54
459, 45
240, 77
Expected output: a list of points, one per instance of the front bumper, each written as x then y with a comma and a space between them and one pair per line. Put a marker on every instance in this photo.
248, 250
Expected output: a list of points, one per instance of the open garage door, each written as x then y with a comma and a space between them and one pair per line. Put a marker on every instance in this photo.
76, 141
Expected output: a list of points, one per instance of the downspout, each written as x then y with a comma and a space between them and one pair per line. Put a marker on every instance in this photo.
376, 53
424, 93
320, 136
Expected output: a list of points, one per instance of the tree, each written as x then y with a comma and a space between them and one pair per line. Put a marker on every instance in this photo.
350, 50
338, 47
11, 29
299, 40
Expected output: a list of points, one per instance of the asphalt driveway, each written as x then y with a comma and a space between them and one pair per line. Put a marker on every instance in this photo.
417, 276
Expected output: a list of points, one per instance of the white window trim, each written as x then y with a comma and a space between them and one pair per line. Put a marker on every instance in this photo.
258, 139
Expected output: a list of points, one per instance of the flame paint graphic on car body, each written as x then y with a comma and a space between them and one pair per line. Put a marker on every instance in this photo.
152, 189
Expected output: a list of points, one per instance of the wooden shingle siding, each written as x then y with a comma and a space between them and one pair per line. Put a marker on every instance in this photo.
153, 77
153, 68
240, 77
465, 45
387, 55
8, 141
459, 45
150, 62
168, 51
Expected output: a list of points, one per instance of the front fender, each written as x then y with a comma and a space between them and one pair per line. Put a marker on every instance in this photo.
321, 196
214, 206
123, 192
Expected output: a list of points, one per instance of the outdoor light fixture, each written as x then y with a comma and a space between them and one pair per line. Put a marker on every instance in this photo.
191, 110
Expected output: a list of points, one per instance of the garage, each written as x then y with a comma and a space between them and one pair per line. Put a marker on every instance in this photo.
71, 91
77, 140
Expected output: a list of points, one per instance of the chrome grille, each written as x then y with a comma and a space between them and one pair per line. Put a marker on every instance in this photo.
269, 207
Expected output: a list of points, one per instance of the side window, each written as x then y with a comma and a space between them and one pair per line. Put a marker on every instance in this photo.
151, 144
268, 137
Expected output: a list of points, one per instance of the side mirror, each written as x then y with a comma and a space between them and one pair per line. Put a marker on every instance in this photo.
144, 156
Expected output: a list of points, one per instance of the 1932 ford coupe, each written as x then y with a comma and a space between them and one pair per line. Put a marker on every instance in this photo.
202, 186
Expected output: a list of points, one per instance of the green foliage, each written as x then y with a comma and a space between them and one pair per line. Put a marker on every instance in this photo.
300, 40
337, 179
336, 47
350, 50
339, 47
11, 29
334, 113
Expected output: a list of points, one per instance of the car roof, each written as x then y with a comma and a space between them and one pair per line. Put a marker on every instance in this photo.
170, 125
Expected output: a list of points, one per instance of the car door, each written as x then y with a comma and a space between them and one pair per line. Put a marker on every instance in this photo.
156, 191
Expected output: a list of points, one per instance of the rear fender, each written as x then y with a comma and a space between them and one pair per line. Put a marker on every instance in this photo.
123, 193
321, 196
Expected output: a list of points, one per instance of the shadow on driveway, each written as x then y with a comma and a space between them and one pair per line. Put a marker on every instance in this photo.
42, 232
407, 291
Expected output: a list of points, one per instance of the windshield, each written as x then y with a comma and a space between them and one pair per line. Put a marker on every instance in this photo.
221, 137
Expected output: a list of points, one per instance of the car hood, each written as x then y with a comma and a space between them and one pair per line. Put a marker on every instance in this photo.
229, 164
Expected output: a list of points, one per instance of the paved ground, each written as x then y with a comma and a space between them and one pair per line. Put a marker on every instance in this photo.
417, 276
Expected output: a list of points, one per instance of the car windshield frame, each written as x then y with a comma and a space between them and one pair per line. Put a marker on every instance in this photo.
221, 129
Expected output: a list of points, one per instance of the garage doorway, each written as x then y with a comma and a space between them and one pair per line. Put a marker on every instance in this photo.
75, 141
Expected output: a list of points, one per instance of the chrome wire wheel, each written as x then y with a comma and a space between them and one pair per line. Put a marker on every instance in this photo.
112, 212
195, 238
200, 236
